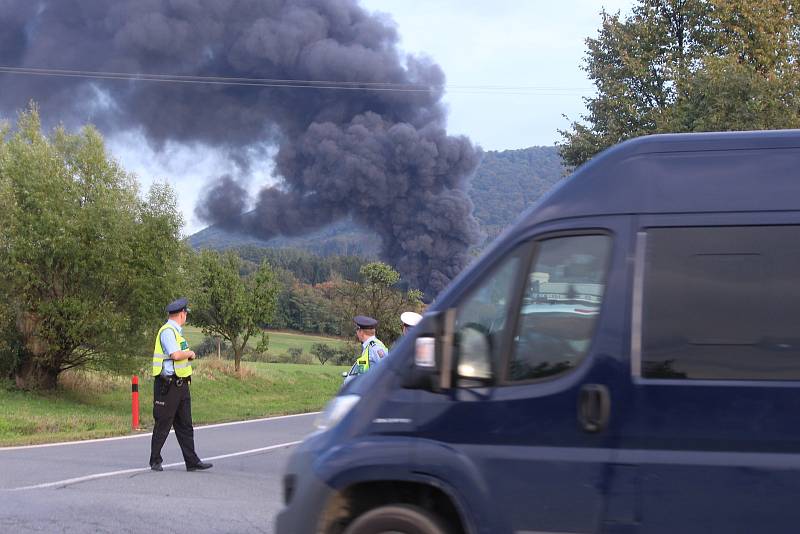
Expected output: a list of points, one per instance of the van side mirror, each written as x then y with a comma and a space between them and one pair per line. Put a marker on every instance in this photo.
432, 366
425, 352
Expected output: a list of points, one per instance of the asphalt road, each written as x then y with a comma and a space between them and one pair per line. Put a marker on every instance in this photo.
107, 486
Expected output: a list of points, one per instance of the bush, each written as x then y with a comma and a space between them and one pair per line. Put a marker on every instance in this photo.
296, 355
346, 354
252, 355
209, 347
277, 358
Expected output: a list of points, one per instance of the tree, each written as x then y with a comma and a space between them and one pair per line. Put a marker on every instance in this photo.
305, 307
323, 352
228, 305
377, 296
688, 66
84, 260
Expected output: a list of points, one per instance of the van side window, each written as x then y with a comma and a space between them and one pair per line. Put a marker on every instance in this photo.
560, 306
722, 303
482, 318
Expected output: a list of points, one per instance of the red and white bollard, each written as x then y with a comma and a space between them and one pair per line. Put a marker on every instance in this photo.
135, 402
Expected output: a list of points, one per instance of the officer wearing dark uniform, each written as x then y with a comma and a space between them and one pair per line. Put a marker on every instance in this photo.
172, 403
372, 349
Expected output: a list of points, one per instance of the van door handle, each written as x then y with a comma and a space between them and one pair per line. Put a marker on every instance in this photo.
594, 407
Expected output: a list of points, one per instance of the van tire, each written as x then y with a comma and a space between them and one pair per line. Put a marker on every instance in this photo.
397, 518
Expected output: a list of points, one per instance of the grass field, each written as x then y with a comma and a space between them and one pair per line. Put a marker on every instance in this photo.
279, 342
90, 405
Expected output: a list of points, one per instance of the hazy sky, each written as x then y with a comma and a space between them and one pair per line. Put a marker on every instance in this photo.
509, 43
533, 49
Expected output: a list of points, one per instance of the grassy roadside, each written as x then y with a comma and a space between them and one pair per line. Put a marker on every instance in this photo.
90, 405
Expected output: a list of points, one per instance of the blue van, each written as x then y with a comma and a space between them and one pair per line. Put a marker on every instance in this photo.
624, 359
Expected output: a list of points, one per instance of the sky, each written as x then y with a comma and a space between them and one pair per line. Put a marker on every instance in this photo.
532, 49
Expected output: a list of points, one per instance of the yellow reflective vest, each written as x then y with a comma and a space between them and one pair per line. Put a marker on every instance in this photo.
183, 368
363, 360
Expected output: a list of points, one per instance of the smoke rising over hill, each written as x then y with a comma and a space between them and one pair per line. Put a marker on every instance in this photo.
380, 156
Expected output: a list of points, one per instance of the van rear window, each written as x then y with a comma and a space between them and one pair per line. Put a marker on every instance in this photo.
722, 303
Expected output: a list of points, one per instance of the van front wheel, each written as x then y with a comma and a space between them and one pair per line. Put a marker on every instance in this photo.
397, 518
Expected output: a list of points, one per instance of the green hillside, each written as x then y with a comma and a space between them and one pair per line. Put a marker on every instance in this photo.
504, 185
507, 183
341, 238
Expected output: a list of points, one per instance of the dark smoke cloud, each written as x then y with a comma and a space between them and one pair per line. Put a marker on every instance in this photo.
383, 158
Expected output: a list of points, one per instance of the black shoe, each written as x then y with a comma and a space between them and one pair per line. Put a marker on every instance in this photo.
199, 466
156, 467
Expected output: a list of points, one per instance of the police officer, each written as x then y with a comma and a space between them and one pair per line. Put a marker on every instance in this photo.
172, 403
372, 349
409, 320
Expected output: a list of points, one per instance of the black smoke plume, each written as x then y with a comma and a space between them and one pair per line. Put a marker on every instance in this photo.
381, 157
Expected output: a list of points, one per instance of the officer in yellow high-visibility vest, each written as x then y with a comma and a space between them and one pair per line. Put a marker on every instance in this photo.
372, 349
172, 403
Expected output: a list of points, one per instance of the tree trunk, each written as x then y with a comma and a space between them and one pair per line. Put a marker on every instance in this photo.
237, 356
219, 349
32, 376
39, 369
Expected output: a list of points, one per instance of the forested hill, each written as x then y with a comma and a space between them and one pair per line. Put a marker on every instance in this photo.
504, 185
341, 238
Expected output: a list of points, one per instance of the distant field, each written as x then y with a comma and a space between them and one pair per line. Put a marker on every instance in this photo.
279, 342
90, 405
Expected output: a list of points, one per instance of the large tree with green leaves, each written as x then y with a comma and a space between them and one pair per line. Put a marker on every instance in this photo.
378, 295
85, 261
228, 305
689, 66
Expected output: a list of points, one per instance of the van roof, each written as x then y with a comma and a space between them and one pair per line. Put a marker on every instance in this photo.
682, 173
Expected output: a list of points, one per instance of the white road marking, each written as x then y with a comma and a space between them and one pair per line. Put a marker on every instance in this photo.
143, 469
148, 434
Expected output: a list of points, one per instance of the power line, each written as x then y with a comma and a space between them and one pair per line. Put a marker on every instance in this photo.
296, 84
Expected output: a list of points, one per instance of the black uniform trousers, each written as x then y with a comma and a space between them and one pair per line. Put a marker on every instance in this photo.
172, 406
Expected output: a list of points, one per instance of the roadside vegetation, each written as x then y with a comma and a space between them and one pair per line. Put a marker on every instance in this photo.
89, 404
89, 262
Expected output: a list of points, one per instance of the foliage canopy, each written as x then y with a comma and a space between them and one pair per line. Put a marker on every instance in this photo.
85, 261
230, 306
689, 66
377, 296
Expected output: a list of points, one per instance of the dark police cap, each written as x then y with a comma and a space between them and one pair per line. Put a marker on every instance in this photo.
362, 321
177, 305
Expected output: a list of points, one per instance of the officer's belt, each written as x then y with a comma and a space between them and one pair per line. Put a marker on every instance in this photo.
175, 378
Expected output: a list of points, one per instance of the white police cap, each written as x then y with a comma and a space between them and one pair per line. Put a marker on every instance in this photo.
410, 318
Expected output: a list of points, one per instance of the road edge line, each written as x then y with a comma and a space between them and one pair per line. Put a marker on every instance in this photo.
148, 434
77, 480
